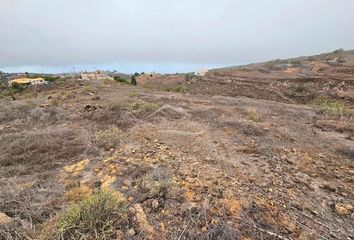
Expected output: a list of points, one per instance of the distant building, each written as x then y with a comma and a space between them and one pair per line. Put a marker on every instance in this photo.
201, 72
27, 81
95, 76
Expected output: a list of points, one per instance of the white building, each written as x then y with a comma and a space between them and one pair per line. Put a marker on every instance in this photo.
201, 72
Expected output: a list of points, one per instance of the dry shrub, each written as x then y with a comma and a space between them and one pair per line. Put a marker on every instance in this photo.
108, 81
44, 115
109, 138
346, 151
133, 94
117, 114
27, 113
143, 107
98, 216
28, 203
156, 182
335, 125
16, 230
253, 115
204, 224
68, 95
40, 148
221, 231
252, 130
10, 111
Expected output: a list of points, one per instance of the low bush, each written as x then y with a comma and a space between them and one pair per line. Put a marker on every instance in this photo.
157, 182
252, 115
333, 106
98, 216
16, 88
142, 106
181, 89
121, 80
51, 78
133, 94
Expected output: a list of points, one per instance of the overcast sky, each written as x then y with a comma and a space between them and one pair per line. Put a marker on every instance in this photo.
167, 35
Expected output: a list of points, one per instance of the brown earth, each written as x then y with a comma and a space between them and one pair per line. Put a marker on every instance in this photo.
206, 164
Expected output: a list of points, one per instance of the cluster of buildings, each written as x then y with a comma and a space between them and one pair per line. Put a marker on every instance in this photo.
26, 80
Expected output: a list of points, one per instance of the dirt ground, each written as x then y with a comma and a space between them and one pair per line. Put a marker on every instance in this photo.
226, 167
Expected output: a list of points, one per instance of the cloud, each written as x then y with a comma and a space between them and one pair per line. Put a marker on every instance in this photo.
61, 33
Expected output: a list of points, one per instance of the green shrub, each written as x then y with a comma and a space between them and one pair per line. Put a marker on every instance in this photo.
142, 106
181, 89
120, 79
51, 78
17, 87
98, 216
333, 106
133, 80
133, 94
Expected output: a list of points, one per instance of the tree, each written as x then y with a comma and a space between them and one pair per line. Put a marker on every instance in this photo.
7, 86
133, 80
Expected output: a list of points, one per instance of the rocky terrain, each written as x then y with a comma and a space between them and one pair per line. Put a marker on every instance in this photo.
263, 151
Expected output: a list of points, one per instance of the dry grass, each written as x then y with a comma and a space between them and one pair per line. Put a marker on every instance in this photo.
29, 203
11, 111
39, 149
117, 114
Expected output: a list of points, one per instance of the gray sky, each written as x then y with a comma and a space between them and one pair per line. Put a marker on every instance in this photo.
167, 35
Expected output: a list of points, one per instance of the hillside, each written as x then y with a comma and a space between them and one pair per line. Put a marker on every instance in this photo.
264, 151
297, 80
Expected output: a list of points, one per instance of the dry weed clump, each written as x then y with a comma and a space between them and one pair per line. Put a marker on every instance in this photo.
16, 230
109, 138
253, 115
133, 94
204, 224
156, 182
98, 216
117, 114
143, 107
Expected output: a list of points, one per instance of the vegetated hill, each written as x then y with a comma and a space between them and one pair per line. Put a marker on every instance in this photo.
108, 160
293, 80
